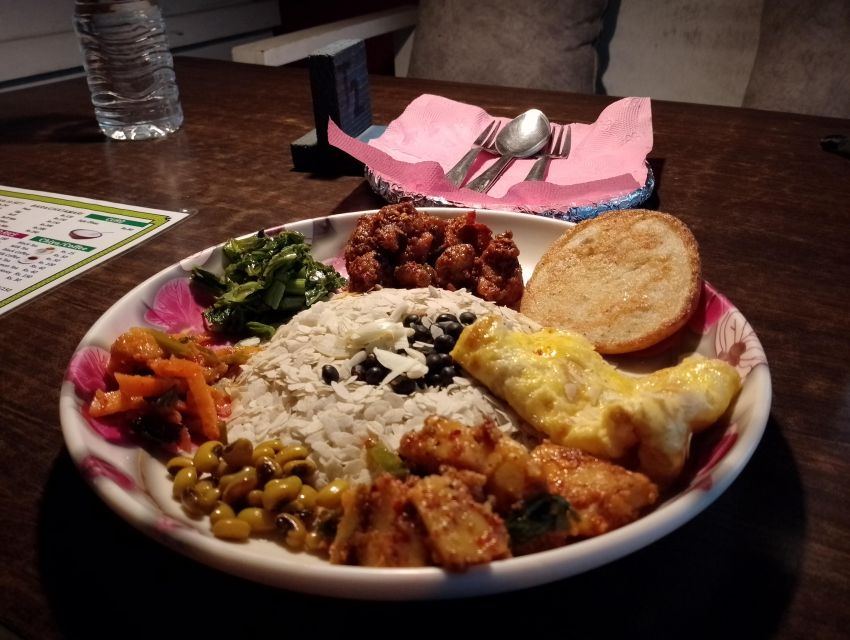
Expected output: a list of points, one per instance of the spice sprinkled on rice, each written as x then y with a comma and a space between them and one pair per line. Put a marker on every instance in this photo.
281, 393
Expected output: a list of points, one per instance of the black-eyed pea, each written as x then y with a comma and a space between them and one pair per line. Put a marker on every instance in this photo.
274, 443
261, 452
293, 529
186, 478
236, 486
300, 468
238, 453
261, 521
221, 511
201, 498
191, 502
255, 498
176, 463
207, 456
292, 452
225, 480
304, 502
231, 529
268, 469
222, 469
330, 495
281, 491
206, 484
316, 542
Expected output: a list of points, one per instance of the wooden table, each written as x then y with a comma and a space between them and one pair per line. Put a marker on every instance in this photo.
771, 210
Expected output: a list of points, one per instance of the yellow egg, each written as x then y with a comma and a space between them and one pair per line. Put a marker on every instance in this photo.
560, 385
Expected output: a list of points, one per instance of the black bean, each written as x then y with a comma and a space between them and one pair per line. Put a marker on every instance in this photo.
330, 374
436, 361
403, 385
410, 320
371, 360
446, 317
374, 375
421, 333
467, 317
359, 370
446, 375
432, 378
452, 327
444, 343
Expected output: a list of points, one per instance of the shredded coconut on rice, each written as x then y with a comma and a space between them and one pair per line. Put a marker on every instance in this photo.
280, 392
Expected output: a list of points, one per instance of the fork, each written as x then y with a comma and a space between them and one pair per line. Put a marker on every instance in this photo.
559, 147
457, 173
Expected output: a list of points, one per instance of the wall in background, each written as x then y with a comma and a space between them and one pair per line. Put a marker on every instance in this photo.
686, 50
38, 44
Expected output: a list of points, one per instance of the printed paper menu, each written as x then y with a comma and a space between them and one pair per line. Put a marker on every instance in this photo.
49, 238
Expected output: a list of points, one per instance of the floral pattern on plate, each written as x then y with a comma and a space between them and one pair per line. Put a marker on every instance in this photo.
176, 309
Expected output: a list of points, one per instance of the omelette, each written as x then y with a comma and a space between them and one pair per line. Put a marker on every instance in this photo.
558, 383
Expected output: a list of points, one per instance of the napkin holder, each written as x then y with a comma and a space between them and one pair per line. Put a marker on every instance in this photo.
339, 82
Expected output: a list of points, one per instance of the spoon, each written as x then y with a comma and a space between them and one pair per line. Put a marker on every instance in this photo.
523, 136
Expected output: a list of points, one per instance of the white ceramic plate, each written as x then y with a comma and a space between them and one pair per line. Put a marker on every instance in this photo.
135, 484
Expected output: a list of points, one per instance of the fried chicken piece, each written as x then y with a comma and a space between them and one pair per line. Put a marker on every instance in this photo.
389, 237
500, 278
462, 531
411, 275
603, 495
365, 271
419, 248
438, 520
389, 227
386, 247
453, 517
396, 234
378, 527
456, 267
465, 230
511, 474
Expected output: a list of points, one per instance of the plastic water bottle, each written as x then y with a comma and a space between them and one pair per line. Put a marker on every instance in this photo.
129, 67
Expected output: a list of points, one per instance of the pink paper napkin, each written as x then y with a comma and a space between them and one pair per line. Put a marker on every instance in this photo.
607, 158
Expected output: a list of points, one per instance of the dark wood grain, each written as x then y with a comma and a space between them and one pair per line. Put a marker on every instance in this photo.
771, 210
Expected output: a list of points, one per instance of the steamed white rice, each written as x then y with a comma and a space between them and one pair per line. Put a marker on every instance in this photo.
280, 392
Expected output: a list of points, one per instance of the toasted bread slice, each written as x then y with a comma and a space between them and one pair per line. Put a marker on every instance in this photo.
626, 280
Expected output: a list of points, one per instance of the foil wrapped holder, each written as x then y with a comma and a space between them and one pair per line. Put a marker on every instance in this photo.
339, 82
